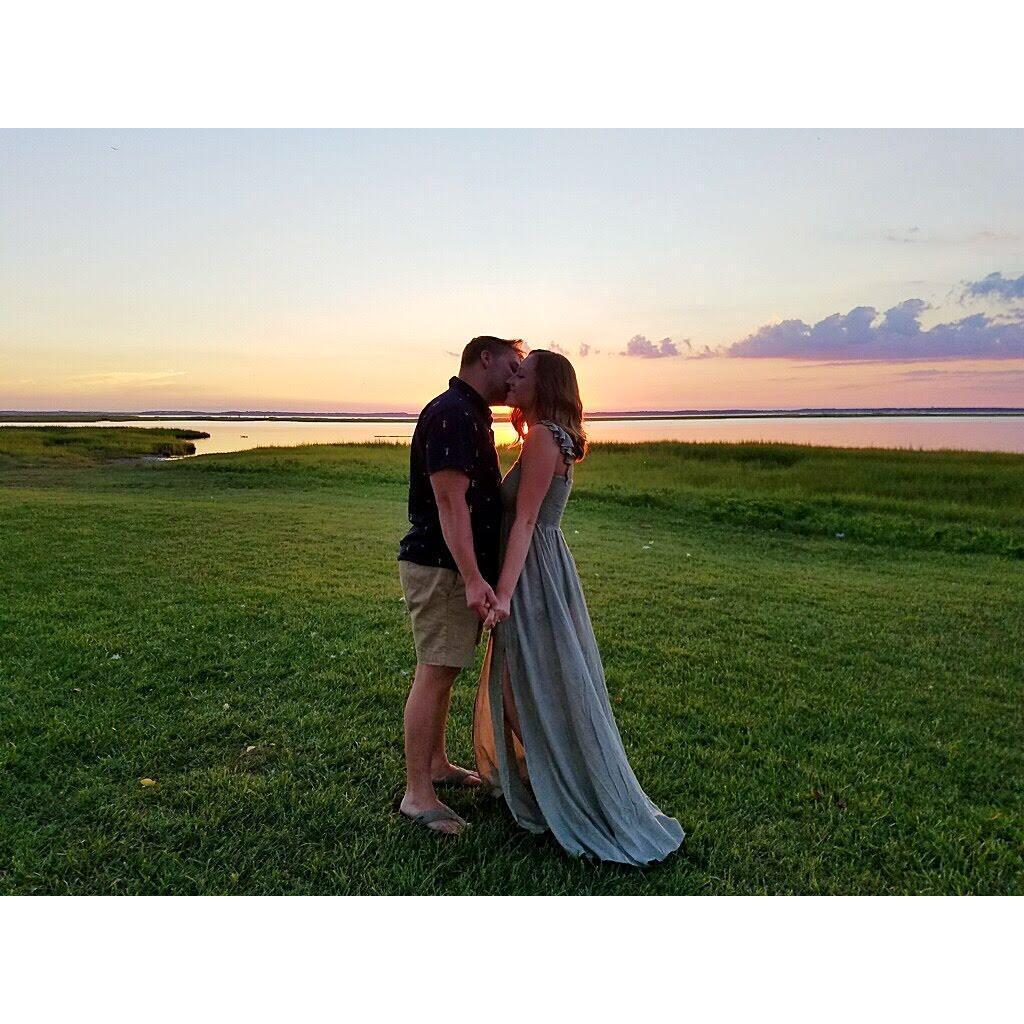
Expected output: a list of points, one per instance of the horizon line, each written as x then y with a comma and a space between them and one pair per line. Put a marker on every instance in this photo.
595, 416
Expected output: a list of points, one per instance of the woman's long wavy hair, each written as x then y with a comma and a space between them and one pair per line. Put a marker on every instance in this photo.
557, 398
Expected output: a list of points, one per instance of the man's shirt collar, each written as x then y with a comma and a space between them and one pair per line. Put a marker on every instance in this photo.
473, 395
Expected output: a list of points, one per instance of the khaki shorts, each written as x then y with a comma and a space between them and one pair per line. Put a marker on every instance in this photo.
444, 630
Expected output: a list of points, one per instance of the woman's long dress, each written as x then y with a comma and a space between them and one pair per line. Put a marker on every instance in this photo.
569, 773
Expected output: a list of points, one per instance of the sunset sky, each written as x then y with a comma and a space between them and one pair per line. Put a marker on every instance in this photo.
330, 270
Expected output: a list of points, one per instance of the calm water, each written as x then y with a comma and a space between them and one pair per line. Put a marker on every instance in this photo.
978, 433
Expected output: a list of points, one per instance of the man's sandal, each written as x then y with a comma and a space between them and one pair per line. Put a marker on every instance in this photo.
427, 818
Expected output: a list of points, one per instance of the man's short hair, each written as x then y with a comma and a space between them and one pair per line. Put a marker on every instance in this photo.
485, 343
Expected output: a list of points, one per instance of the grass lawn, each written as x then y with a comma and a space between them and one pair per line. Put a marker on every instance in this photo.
815, 657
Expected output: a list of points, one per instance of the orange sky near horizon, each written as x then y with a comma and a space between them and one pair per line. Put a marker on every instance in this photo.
608, 382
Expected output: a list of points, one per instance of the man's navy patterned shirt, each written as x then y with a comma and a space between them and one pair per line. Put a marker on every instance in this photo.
454, 432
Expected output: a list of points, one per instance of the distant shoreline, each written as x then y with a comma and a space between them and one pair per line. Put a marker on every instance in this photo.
15, 416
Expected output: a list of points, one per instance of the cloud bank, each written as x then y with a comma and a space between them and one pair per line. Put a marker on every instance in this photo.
1008, 289
896, 334
643, 348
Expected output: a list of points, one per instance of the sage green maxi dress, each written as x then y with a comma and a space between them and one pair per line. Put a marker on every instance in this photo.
568, 772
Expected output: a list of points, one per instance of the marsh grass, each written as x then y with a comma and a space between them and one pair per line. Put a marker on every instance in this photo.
823, 714
90, 446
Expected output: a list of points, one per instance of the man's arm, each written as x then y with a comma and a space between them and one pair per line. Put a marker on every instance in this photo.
450, 486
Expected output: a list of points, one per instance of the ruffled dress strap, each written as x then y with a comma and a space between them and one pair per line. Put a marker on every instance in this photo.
565, 442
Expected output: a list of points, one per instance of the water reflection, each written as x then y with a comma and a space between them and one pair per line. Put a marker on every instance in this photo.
979, 433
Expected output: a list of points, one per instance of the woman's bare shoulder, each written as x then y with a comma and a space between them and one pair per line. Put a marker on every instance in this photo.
539, 446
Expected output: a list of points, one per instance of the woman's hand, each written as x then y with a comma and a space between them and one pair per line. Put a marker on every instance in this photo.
500, 610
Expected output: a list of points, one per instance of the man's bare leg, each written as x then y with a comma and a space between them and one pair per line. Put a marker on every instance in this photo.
425, 712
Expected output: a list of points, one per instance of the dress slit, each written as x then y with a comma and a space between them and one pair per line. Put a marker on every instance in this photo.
488, 712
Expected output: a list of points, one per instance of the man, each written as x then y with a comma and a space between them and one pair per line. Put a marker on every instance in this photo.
448, 562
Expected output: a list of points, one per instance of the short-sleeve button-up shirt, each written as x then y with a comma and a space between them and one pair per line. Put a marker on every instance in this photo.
454, 431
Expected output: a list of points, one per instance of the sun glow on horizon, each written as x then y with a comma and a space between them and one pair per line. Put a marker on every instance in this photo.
698, 385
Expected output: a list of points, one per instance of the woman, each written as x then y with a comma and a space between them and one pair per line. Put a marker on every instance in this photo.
544, 731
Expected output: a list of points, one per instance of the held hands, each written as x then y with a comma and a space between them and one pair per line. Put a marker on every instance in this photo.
500, 611
492, 608
480, 597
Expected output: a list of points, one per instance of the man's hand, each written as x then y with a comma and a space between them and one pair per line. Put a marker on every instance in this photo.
500, 610
480, 597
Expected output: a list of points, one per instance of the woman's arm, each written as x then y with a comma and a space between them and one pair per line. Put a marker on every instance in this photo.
540, 457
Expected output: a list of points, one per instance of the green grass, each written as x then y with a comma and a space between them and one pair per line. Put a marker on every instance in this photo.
823, 714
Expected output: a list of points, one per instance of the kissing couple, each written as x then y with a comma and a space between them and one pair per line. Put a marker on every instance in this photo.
486, 553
